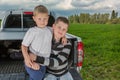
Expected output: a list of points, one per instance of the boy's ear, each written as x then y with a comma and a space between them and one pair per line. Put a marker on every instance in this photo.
33, 18
53, 26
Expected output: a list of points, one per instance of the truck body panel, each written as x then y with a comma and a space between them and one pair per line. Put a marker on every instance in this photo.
11, 35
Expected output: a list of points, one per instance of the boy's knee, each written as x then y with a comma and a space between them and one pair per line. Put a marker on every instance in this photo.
36, 76
50, 77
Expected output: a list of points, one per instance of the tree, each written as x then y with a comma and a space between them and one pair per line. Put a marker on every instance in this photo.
71, 18
114, 15
96, 18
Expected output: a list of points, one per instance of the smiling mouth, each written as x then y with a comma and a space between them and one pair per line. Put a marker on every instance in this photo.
59, 33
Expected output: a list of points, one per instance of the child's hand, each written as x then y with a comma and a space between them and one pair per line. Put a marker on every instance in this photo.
64, 40
32, 56
35, 66
28, 62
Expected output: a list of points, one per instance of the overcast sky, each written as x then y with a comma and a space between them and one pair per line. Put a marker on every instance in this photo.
63, 7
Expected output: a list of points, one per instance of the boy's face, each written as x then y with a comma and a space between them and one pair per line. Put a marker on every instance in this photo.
60, 29
41, 19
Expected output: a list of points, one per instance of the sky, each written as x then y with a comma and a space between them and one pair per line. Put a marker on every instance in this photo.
63, 7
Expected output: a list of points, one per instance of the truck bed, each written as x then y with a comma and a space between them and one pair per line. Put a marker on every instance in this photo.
12, 70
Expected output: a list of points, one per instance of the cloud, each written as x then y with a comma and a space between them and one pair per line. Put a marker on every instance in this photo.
14, 4
66, 7
82, 3
96, 4
106, 4
61, 4
52, 4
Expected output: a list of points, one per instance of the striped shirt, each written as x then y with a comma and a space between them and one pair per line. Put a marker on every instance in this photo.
57, 64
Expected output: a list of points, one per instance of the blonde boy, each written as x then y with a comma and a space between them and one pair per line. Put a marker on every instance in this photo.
37, 40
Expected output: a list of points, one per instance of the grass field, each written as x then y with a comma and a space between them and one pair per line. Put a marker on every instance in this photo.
101, 48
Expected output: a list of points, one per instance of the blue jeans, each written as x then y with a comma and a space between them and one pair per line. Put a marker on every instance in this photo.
36, 74
66, 76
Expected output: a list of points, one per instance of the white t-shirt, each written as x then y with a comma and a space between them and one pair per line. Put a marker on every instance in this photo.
38, 40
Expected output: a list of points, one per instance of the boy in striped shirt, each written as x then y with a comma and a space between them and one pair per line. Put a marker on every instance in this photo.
57, 63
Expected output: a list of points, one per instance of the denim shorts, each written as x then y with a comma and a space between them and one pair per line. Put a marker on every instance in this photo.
36, 74
66, 76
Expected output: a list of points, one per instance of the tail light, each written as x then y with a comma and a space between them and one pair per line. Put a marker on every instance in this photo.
28, 13
80, 55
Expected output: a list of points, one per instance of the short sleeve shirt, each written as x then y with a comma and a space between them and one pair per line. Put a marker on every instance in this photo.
38, 40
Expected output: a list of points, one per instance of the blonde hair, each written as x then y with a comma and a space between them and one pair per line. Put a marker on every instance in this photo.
40, 9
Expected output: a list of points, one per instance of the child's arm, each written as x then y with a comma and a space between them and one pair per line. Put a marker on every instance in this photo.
27, 59
54, 62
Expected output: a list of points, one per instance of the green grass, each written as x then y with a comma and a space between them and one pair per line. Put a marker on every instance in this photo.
101, 48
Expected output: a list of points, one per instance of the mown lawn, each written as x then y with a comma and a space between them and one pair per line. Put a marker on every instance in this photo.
102, 50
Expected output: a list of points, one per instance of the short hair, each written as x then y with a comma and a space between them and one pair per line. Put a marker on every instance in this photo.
40, 9
63, 19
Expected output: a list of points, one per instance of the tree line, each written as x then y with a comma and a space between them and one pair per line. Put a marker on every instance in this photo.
96, 18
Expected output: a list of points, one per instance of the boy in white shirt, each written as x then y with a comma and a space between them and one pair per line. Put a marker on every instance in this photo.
37, 40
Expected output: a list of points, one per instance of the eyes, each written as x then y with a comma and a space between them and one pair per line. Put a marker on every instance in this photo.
61, 28
42, 19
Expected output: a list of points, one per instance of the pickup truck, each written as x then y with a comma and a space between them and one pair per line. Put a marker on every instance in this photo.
13, 28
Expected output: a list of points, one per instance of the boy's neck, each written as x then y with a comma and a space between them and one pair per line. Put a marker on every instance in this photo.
57, 39
40, 27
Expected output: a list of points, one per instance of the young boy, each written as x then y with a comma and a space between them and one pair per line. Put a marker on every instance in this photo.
37, 40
